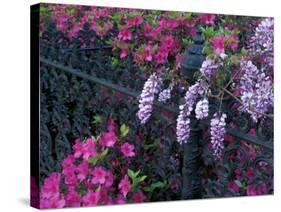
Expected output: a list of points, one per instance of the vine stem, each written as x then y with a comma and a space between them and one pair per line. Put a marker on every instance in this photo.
237, 99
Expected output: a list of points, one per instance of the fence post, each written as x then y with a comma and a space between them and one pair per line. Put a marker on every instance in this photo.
191, 183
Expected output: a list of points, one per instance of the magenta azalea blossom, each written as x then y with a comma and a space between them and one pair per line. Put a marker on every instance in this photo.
52, 203
108, 139
125, 34
51, 186
125, 185
91, 198
99, 175
138, 196
218, 44
82, 170
128, 150
72, 199
207, 18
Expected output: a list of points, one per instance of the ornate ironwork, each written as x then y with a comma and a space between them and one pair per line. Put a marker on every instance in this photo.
78, 82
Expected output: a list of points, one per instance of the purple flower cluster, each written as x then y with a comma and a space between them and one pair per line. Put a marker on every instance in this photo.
150, 89
164, 95
202, 109
261, 42
183, 121
256, 90
208, 68
217, 134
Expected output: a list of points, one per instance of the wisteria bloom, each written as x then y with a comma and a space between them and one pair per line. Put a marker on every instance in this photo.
125, 185
262, 41
208, 68
128, 150
202, 109
91, 198
183, 120
99, 175
217, 134
164, 95
150, 89
256, 90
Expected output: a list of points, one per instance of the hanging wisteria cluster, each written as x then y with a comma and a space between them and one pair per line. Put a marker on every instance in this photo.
164, 95
202, 109
208, 68
254, 88
151, 88
217, 134
183, 120
262, 41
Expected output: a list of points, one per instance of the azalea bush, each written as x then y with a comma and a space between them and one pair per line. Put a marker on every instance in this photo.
118, 149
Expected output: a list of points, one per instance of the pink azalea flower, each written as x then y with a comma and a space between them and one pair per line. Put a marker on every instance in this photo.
160, 57
89, 149
91, 198
128, 150
120, 199
72, 199
137, 20
109, 179
218, 44
148, 53
99, 176
232, 185
111, 125
125, 34
232, 42
124, 53
82, 170
52, 203
169, 41
125, 185
78, 148
171, 23
250, 173
207, 18
108, 139
68, 164
51, 186
251, 190
138, 197
70, 178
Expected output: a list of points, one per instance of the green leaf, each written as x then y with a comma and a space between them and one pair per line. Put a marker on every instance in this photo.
142, 178
131, 174
158, 185
238, 183
93, 160
124, 130
114, 62
104, 153
97, 119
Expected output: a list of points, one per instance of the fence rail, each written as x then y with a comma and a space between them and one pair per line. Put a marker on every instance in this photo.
232, 131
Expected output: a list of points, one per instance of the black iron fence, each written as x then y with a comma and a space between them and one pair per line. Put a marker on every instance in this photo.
78, 82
